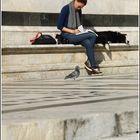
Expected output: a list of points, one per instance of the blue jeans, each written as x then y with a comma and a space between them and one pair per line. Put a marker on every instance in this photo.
87, 40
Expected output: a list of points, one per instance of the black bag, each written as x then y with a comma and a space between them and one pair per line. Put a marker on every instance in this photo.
61, 40
43, 39
105, 37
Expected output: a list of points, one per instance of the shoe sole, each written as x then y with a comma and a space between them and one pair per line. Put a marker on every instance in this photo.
92, 73
88, 68
99, 74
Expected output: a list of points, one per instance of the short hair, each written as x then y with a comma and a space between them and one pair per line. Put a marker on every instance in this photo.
83, 1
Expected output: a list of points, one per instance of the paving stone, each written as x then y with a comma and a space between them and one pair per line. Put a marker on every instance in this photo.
39, 61
125, 137
127, 122
81, 109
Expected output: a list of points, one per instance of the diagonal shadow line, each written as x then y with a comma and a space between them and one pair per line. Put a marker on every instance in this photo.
69, 104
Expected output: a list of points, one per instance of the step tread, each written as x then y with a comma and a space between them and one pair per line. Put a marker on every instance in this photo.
64, 45
126, 137
62, 48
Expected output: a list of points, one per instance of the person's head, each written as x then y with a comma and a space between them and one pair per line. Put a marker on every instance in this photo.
79, 4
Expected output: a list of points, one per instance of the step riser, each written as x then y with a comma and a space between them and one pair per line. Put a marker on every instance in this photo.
22, 35
83, 128
131, 7
38, 66
43, 75
126, 137
21, 38
59, 60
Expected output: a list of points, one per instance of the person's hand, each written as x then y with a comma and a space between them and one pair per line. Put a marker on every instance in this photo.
76, 31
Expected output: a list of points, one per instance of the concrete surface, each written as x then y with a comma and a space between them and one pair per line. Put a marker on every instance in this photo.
21, 35
39, 61
126, 137
127, 7
94, 107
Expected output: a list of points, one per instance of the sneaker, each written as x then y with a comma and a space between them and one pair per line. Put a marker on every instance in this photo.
96, 71
91, 70
88, 66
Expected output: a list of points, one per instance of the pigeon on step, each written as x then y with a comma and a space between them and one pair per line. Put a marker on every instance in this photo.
75, 74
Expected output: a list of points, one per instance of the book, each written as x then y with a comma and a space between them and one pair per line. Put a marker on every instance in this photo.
82, 30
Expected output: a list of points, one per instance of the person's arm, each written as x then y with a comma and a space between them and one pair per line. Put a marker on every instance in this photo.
72, 31
63, 17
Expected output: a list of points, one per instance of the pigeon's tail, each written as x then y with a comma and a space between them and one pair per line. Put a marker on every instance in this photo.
69, 76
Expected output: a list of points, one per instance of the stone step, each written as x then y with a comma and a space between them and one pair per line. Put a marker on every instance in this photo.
21, 35
88, 108
55, 61
125, 137
94, 126
49, 7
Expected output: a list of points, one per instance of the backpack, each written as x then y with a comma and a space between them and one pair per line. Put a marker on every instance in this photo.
61, 40
105, 37
43, 39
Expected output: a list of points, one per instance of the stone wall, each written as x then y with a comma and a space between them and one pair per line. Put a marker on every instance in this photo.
45, 13
123, 7
39, 62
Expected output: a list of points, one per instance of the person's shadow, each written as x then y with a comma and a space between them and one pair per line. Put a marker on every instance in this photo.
100, 56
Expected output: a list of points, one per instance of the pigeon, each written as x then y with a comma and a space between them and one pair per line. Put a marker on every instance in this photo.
75, 74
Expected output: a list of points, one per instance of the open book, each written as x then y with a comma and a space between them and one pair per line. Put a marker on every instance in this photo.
82, 30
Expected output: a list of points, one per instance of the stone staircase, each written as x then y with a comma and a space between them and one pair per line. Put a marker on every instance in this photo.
21, 35
126, 137
88, 108
33, 75
89, 127
55, 61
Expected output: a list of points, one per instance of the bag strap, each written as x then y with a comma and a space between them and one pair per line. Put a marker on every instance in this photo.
37, 36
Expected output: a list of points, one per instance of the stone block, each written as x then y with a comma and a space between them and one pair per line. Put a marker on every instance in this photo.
99, 126
83, 109
91, 127
125, 137
19, 35
127, 122
80, 128
127, 7
34, 130
45, 61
